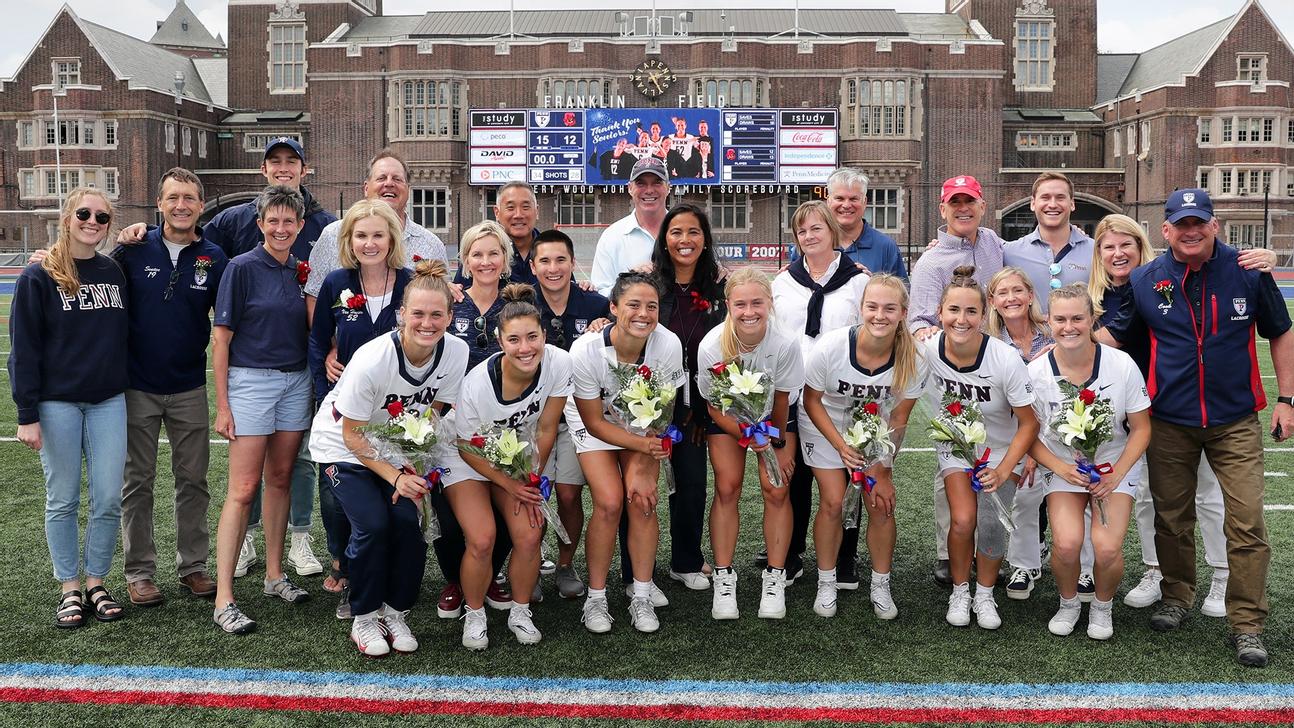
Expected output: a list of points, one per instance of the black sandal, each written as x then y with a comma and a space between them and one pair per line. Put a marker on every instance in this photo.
71, 610
103, 604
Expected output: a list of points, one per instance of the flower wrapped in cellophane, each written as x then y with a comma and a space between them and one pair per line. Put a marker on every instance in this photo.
959, 426
1084, 422
867, 431
512, 452
745, 394
643, 404
408, 441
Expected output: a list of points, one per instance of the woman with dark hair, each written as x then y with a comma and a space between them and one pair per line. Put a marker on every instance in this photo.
692, 303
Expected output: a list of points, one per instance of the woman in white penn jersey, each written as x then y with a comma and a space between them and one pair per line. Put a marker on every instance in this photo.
749, 334
985, 371
875, 361
523, 387
412, 369
621, 467
1108, 374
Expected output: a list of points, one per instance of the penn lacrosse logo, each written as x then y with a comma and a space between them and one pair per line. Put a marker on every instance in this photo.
808, 448
460, 325
541, 118
959, 182
1188, 199
581, 325
199, 277
730, 119
331, 471
1240, 305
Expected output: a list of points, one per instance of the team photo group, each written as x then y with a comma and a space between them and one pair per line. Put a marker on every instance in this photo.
513, 416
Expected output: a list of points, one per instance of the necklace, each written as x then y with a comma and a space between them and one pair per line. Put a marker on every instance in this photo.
683, 286
368, 300
743, 347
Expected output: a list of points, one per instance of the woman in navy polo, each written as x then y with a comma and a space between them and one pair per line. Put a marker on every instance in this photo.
262, 393
356, 303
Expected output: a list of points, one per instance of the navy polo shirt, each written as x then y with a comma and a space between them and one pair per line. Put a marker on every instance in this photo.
518, 267
464, 327
261, 300
170, 311
582, 307
351, 329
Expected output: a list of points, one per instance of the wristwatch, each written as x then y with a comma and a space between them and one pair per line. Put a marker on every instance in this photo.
1285, 400
780, 442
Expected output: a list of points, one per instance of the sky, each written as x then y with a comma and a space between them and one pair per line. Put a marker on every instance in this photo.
1123, 27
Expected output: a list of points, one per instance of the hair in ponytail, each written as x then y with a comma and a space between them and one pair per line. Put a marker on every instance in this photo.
729, 347
905, 346
429, 275
964, 277
60, 264
520, 300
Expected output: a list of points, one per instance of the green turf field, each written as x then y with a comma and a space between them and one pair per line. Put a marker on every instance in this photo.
918, 647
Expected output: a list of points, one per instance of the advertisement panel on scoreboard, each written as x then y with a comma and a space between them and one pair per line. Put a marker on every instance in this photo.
698, 146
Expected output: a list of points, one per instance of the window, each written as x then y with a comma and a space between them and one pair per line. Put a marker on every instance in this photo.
1132, 139
564, 92
69, 180
1115, 140
256, 142
730, 210
26, 134
202, 143
110, 181
51, 135
883, 209
1046, 141
729, 91
186, 140
1289, 131
1225, 186
878, 107
1247, 235
1251, 68
795, 199
1227, 125
577, 208
51, 184
1202, 178
287, 58
429, 108
170, 137
489, 198
48, 182
1145, 137
1205, 127
69, 132
1034, 51
67, 72
110, 133
87, 133
1244, 181
431, 207
1289, 182
28, 183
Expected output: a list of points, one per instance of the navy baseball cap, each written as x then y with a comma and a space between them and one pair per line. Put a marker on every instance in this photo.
288, 142
1191, 202
649, 165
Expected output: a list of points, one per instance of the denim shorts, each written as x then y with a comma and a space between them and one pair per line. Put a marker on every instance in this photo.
265, 401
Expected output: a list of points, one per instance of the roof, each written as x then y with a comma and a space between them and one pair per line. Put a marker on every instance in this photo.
1052, 116
214, 73
1111, 70
1173, 61
936, 24
146, 65
183, 29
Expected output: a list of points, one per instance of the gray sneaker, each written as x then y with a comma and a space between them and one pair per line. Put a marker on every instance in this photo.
1167, 617
285, 590
1250, 651
343, 604
569, 585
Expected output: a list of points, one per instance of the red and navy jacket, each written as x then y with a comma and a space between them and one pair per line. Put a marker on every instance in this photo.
170, 311
1202, 327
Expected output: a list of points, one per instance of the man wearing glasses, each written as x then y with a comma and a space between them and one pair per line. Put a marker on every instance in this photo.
172, 277
1055, 253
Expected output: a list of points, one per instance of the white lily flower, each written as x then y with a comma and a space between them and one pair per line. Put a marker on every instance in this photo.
644, 412
745, 382
416, 429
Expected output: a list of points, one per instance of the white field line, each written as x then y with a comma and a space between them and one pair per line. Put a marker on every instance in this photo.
1278, 507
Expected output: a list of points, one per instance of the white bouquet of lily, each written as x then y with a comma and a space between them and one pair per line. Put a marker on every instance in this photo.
959, 426
643, 404
1084, 422
408, 441
746, 395
867, 432
512, 453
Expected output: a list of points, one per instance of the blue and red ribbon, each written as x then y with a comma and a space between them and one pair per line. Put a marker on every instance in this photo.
978, 468
669, 438
759, 433
1094, 472
859, 476
543, 484
433, 477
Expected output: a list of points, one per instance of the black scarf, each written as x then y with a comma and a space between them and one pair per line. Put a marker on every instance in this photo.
800, 273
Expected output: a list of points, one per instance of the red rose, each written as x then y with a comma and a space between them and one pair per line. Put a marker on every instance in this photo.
477, 441
872, 408
1087, 396
719, 368
644, 371
204, 258
699, 303
395, 409
303, 271
954, 408
356, 301
417, 258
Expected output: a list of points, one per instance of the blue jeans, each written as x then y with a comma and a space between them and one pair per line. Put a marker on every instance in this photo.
67, 430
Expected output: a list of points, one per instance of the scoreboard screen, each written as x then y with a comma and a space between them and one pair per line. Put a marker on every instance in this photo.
698, 146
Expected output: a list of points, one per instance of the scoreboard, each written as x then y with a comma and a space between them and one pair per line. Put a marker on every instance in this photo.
699, 146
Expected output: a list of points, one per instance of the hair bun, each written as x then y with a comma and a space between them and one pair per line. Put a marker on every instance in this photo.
964, 271
430, 268
518, 293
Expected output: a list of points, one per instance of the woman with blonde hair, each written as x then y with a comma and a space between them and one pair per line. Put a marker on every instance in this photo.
67, 371
1014, 315
749, 336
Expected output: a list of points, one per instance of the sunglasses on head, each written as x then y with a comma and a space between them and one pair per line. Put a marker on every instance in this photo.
100, 217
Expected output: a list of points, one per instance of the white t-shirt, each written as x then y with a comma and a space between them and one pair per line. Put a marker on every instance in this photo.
1114, 377
996, 382
777, 355
377, 375
840, 308
173, 249
591, 358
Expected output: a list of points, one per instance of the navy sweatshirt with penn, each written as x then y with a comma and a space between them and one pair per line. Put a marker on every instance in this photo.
68, 348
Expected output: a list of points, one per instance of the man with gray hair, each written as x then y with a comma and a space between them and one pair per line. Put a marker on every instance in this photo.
869, 247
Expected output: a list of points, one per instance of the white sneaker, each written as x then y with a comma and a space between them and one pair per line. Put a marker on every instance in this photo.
246, 556
369, 636
882, 603
986, 615
1100, 622
658, 598
1146, 592
301, 556
824, 604
476, 635
724, 604
521, 624
402, 639
596, 618
772, 598
694, 580
642, 615
1067, 617
1215, 604
959, 606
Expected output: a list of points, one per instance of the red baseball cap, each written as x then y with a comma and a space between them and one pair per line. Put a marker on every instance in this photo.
961, 185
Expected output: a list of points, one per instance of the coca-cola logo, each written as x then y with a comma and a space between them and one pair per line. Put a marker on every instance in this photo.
807, 137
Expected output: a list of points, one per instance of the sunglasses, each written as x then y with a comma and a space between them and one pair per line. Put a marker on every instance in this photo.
558, 334
170, 285
100, 217
1054, 271
481, 340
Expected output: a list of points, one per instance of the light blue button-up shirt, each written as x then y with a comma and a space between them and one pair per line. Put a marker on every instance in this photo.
1033, 255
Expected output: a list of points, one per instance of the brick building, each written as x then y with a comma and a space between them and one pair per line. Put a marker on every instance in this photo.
1001, 89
